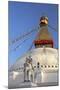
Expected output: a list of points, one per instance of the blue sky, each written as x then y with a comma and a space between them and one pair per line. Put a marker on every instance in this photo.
23, 17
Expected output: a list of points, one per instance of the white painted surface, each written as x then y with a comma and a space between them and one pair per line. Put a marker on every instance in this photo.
43, 75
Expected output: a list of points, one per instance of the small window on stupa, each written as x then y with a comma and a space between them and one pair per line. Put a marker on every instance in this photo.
48, 66
45, 66
55, 66
52, 66
41, 65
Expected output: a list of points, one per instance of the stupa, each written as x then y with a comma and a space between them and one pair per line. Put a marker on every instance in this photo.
39, 66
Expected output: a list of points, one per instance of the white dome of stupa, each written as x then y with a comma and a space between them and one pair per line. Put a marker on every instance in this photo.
47, 57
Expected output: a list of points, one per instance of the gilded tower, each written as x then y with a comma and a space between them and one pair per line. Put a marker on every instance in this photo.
44, 37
